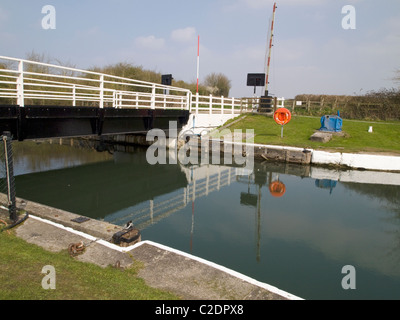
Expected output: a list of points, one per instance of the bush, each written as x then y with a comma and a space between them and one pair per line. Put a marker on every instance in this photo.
374, 105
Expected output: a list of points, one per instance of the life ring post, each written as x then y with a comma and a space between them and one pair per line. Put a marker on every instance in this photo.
282, 116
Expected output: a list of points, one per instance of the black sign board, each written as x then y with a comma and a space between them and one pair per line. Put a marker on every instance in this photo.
166, 79
256, 79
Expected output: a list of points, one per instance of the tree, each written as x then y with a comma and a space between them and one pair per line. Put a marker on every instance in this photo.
218, 84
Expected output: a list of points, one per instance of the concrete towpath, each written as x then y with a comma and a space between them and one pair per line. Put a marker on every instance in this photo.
187, 276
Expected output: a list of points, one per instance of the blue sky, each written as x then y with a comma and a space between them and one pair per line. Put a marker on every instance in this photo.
312, 53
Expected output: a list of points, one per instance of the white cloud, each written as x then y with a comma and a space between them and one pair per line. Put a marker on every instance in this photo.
183, 35
150, 42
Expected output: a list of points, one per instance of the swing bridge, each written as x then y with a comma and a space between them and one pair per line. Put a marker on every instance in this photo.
41, 100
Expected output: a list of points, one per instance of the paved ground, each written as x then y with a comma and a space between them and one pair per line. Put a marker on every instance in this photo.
189, 277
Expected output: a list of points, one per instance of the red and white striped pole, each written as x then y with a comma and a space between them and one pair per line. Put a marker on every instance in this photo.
270, 48
198, 62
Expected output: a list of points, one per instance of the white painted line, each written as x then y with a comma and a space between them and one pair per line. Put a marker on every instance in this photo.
58, 225
209, 263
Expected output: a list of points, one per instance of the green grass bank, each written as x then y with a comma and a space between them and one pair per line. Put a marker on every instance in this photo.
356, 138
21, 264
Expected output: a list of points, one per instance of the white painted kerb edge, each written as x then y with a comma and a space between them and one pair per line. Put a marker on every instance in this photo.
209, 263
356, 160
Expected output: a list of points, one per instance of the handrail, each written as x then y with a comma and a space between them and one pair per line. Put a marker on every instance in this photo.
88, 72
223, 105
214, 104
80, 87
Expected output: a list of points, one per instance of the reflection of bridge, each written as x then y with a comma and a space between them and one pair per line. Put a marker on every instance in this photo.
201, 181
206, 179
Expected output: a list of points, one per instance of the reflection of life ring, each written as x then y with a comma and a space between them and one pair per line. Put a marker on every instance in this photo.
277, 188
282, 116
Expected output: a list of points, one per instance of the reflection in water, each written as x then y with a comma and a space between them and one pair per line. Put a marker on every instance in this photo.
32, 156
277, 224
100, 188
277, 188
326, 184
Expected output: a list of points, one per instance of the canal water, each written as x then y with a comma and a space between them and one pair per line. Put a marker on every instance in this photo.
293, 227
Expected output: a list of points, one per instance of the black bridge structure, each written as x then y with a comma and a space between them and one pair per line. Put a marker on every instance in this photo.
39, 122
40, 100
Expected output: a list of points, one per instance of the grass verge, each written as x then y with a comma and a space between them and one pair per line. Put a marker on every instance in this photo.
21, 264
384, 138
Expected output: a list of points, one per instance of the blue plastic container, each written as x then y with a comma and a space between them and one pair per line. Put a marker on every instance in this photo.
331, 123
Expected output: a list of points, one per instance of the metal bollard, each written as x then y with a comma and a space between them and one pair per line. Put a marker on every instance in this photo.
7, 139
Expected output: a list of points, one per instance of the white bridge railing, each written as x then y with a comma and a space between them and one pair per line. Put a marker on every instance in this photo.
222, 105
215, 105
27, 82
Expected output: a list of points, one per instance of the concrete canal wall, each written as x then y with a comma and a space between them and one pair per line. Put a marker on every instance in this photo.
360, 161
356, 160
336, 159
307, 156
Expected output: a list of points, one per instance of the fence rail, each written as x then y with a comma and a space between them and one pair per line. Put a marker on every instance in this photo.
26, 82
222, 105
215, 105
249, 104
357, 107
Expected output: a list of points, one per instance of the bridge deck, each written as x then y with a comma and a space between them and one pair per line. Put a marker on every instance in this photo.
35, 122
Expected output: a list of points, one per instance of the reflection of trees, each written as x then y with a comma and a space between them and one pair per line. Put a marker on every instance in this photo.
389, 195
33, 158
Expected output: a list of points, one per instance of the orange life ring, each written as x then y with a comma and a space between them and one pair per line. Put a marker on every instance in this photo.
282, 116
277, 188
